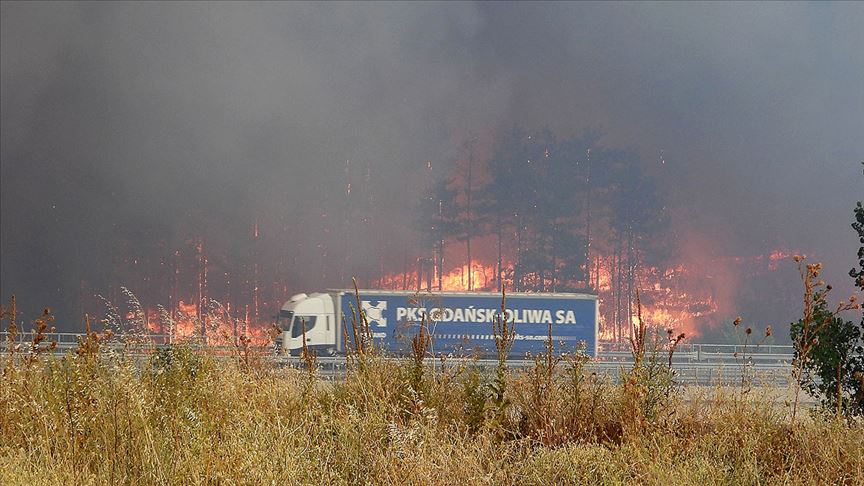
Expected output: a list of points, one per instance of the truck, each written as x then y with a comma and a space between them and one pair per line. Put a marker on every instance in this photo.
458, 323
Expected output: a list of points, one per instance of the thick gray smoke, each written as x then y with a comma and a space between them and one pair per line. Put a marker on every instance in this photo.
127, 123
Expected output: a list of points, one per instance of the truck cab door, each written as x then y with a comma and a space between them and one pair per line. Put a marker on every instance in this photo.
320, 333
303, 326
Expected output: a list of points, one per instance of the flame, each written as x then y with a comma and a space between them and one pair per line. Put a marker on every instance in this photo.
482, 278
219, 328
682, 297
667, 300
775, 256
697, 290
455, 280
184, 325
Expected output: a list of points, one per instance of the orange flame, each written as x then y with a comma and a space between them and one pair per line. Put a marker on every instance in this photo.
217, 326
680, 297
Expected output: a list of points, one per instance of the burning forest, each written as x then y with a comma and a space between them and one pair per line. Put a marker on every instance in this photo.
546, 215
523, 210
234, 158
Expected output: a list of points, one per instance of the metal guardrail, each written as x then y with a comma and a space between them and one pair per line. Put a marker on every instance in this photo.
685, 353
67, 340
757, 374
693, 364
703, 364
140, 346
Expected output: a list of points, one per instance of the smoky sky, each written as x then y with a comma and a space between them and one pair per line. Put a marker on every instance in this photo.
128, 120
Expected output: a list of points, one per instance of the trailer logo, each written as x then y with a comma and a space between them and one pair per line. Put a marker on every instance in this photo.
375, 313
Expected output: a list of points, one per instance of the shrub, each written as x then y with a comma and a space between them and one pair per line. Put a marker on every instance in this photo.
833, 363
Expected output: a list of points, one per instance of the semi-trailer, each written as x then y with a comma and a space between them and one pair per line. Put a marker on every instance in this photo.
459, 323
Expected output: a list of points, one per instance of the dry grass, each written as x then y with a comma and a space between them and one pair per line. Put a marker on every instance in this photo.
185, 415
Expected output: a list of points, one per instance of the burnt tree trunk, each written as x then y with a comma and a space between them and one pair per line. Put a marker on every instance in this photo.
613, 288
554, 258
517, 264
440, 257
588, 222
630, 277
405, 270
500, 280
468, 220
616, 293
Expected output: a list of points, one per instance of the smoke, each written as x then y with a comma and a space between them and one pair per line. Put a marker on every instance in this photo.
141, 124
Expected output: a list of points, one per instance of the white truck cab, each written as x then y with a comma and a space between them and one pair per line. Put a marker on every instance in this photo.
316, 313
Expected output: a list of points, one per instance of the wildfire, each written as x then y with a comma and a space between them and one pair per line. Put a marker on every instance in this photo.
669, 298
184, 325
666, 299
696, 291
775, 256
482, 278
682, 297
455, 280
215, 325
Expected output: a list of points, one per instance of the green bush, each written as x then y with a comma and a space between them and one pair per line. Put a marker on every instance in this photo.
834, 362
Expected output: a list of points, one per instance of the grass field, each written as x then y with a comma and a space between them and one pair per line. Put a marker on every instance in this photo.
189, 417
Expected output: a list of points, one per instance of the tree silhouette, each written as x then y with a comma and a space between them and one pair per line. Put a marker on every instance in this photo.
541, 200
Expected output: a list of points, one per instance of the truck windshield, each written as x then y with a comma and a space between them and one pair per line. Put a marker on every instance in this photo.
297, 329
285, 319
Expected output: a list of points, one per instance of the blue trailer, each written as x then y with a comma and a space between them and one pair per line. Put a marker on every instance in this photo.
459, 323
